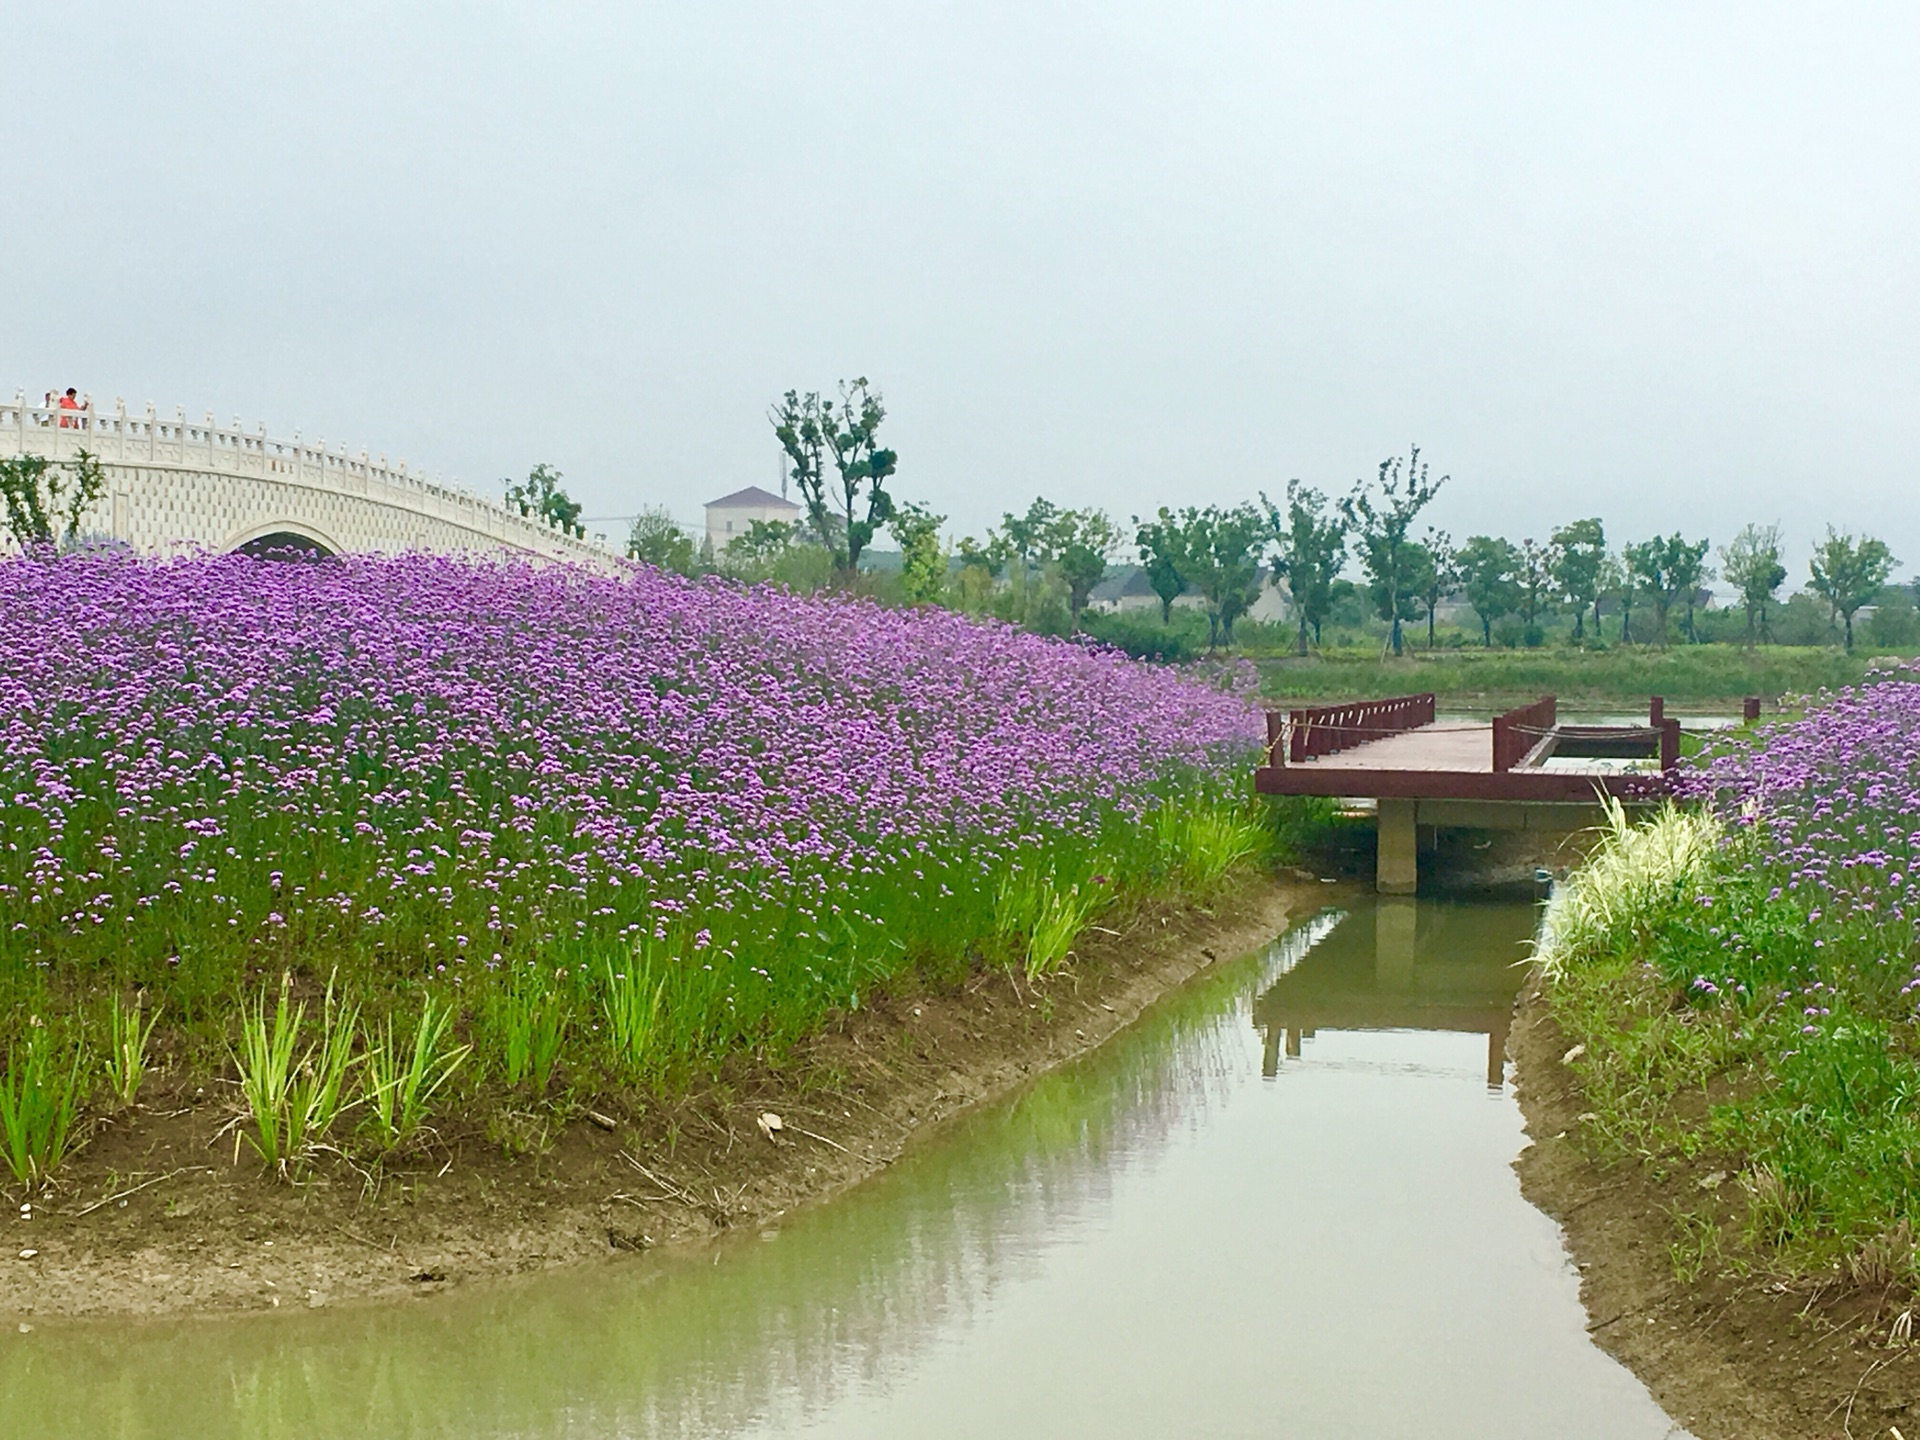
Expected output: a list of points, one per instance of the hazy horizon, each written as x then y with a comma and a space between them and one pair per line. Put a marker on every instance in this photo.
1648, 263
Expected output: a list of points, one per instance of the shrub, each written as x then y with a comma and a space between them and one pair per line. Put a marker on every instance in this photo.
1140, 634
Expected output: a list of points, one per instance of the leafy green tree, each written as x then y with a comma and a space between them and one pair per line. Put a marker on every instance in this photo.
1751, 563
658, 541
923, 559
1079, 543
1027, 542
1534, 576
1381, 516
1619, 582
1895, 624
1487, 568
46, 498
1579, 553
980, 565
540, 496
1847, 573
1311, 546
756, 551
1688, 569
815, 432
1223, 562
1667, 571
1162, 544
1442, 575
1417, 574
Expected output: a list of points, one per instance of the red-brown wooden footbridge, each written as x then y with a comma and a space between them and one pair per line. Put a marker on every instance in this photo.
1522, 770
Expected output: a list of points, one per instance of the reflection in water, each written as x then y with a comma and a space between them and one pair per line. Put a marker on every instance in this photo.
1148, 1242
1416, 967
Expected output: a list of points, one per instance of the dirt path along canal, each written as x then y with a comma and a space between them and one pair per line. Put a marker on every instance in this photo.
1281, 1204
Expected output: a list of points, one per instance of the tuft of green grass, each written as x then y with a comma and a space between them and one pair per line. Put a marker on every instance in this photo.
294, 1102
1205, 840
1630, 884
39, 1099
401, 1079
265, 1060
128, 1030
1036, 919
528, 1018
630, 996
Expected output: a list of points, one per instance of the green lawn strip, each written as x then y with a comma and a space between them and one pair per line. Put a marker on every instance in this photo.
1708, 675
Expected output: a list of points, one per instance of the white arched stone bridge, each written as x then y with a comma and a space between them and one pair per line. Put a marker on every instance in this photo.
175, 485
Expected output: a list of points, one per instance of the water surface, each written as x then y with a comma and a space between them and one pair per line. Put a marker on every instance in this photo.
1282, 1205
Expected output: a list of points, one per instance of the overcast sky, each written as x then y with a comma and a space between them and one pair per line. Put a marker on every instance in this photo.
1656, 262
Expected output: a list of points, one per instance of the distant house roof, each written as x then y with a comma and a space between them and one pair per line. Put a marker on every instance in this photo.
1128, 582
1121, 581
751, 498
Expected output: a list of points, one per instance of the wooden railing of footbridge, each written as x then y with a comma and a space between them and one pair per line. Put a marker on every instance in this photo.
1295, 736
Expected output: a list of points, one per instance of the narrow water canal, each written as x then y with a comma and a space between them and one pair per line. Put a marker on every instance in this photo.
1281, 1205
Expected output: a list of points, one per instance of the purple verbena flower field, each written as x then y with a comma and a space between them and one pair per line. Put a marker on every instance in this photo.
1782, 986
471, 778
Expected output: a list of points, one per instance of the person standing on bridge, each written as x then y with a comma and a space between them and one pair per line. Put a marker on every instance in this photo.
70, 401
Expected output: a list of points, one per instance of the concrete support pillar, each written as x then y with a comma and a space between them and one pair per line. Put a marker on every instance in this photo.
1398, 867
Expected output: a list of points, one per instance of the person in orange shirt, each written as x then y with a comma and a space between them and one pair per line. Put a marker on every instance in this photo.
70, 401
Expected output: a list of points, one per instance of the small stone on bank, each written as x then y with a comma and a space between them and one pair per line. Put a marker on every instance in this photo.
28, 1254
1572, 1055
770, 1124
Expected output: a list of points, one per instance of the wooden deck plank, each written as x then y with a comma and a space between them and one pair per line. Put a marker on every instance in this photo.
1432, 747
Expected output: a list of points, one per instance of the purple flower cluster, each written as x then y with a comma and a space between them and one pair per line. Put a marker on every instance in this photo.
1832, 798
1829, 807
466, 759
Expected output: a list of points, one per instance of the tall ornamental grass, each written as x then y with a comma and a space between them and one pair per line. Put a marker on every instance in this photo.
613, 829
1633, 881
1745, 982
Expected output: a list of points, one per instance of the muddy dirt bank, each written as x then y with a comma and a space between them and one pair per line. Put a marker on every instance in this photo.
1746, 1358
162, 1213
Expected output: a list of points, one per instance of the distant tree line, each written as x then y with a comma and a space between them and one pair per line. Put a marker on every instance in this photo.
1362, 560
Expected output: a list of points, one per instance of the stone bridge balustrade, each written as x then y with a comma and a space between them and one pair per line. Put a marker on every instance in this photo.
176, 485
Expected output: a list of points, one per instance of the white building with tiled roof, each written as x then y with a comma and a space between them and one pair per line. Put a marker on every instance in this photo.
730, 515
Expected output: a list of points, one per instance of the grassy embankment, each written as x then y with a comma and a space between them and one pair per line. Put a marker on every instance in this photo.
379, 840
1708, 676
1738, 981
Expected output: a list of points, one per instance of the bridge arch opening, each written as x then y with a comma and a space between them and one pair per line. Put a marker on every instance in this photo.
284, 541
